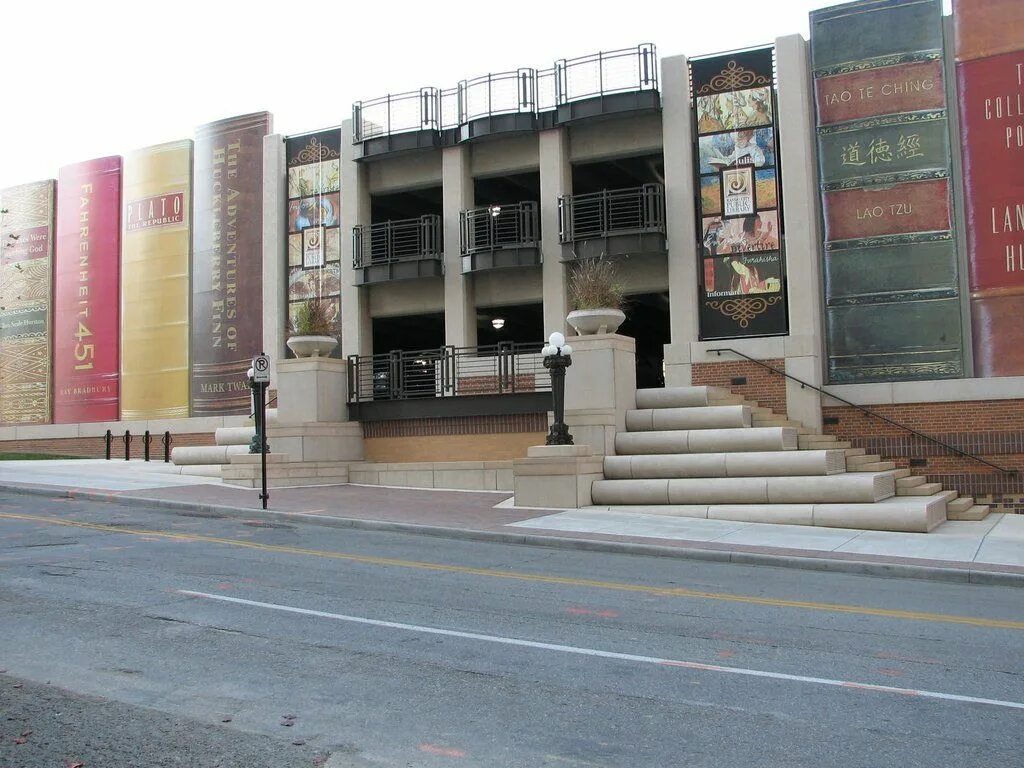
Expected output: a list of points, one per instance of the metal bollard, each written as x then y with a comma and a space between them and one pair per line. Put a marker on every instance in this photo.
127, 445
146, 440
166, 440
108, 439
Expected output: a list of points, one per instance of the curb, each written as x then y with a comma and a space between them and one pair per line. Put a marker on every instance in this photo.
953, 573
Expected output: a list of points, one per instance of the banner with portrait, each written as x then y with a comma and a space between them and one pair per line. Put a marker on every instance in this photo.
742, 267
314, 222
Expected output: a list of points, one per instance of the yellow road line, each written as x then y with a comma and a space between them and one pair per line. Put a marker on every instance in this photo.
535, 577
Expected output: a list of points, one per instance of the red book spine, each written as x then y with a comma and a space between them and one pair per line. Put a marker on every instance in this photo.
86, 332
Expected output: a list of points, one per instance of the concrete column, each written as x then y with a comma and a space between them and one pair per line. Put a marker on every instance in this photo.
457, 196
555, 180
677, 137
356, 326
275, 250
803, 348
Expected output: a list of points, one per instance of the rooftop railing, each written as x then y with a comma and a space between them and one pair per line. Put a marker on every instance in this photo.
605, 73
397, 113
401, 240
520, 91
610, 211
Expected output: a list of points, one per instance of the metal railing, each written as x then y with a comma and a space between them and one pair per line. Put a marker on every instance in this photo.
867, 411
605, 73
500, 226
401, 240
448, 372
519, 91
598, 214
397, 113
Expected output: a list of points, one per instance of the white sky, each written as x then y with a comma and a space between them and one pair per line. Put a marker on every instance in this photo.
87, 79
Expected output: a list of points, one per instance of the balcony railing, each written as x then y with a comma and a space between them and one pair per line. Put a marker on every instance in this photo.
448, 372
506, 226
612, 211
394, 241
521, 92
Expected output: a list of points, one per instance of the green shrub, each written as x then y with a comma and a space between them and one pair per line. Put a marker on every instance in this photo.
313, 318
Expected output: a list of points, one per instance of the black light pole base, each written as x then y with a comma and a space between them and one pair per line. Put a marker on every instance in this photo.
559, 434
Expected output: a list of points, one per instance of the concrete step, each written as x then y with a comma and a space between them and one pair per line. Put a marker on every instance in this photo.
842, 488
772, 421
904, 481
835, 445
706, 440
694, 417
900, 474
911, 515
234, 435
859, 461
924, 489
681, 397
875, 466
855, 451
729, 399
748, 464
975, 512
206, 454
959, 504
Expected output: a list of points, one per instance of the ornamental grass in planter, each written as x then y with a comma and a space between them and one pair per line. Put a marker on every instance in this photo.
312, 329
596, 297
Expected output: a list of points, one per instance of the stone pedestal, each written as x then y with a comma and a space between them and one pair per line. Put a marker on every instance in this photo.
556, 476
312, 412
311, 390
600, 387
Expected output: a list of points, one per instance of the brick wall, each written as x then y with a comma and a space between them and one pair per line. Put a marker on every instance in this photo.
767, 389
93, 447
457, 425
992, 429
454, 438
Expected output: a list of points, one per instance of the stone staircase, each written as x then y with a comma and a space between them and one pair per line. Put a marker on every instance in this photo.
210, 460
707, 452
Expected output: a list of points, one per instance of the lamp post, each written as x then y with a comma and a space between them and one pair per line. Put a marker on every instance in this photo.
558, 357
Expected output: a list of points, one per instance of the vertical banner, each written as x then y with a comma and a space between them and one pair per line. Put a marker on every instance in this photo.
86, 293
227, 262
314, 219
155, 249
26, 255
990, 80
892, 298
742, 265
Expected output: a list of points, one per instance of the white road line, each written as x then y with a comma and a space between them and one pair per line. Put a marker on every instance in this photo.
609, 654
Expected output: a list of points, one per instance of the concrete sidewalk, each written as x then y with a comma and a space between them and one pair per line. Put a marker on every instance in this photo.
990, 551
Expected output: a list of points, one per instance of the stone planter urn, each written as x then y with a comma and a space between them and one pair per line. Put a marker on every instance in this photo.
312, 346
591, 321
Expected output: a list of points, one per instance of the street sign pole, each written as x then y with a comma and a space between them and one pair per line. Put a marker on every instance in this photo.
260, 382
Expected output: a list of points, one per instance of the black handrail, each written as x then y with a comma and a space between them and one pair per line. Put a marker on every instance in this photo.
804, 384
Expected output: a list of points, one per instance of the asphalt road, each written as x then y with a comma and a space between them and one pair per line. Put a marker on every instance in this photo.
138, 637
